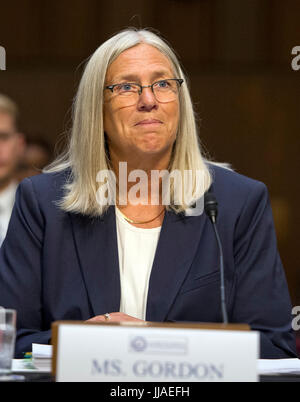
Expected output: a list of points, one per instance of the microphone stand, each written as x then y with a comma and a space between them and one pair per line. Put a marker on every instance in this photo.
211, 209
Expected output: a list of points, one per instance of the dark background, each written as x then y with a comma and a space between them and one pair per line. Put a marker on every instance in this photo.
237, 54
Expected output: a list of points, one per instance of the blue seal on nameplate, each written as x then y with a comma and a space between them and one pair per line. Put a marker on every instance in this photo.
139, 344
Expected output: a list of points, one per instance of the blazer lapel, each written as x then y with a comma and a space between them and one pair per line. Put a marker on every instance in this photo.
178, 242
97, 248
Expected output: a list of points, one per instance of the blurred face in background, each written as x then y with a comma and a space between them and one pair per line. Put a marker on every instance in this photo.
35, 158
11, 149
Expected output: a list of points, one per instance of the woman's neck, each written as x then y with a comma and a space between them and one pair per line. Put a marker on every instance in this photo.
140, 177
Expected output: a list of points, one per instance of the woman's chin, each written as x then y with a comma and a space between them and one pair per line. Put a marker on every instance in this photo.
153, 145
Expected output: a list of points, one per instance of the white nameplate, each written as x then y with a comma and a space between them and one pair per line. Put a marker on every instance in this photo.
140, 354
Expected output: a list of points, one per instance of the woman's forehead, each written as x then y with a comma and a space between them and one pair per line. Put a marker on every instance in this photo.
138, 61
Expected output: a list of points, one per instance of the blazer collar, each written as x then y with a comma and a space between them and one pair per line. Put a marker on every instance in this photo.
97, 247
178, 243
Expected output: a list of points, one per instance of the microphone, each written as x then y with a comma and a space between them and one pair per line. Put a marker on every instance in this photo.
211, 210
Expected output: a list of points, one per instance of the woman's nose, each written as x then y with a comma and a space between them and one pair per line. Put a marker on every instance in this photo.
147, 100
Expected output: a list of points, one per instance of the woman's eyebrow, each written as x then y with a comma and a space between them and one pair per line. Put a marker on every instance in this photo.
136, 78
127, 77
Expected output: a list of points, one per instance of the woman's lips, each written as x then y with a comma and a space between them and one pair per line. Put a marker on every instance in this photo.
148, 122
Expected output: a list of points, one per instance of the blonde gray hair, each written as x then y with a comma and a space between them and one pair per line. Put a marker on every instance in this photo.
86, 153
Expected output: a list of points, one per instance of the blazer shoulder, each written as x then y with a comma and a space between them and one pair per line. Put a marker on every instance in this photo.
234, 191
226, 179
46, 187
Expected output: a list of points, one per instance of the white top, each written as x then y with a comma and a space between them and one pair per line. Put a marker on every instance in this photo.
136, 249
7, 198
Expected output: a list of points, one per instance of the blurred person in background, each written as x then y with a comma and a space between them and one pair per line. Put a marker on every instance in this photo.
37, 155
12, 144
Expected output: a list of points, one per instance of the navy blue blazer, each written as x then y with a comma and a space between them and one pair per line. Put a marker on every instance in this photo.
64, 266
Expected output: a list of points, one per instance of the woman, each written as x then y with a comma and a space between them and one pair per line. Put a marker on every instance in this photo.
70, 254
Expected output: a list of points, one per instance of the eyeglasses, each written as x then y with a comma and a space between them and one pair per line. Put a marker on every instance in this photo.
164, 91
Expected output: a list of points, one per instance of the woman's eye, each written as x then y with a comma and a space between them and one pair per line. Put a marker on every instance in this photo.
126, 87
163, 84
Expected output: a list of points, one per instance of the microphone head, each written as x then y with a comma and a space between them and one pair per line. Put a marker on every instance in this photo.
211, 206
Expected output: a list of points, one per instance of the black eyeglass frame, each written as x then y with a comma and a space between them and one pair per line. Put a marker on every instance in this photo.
111, 87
